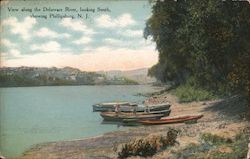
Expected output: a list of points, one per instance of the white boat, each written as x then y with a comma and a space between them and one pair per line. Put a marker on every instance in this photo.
110, 106
130, 107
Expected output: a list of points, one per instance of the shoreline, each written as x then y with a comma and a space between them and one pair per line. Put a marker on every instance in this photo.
216, 121
74, 85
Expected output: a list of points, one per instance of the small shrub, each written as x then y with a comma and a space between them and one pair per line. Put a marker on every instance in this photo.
147, 146
215, 139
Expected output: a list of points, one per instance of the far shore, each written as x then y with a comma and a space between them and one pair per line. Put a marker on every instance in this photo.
218, 119
160, 87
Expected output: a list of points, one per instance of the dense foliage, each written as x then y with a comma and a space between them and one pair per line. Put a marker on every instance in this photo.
206, 40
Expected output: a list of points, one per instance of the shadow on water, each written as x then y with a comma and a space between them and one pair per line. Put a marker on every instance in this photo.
121, 124
117, 123
232, 107
104, 122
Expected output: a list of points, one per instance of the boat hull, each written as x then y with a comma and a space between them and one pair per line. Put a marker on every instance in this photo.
165, 112
170, 120
110, 116
152, 108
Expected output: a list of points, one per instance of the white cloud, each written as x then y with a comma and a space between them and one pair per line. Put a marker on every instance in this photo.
87, 49
50, 46
135, 43
76, 25
3, 54
131, 33
83, 40
46, 32
7, 43
114, 41
126, 20
14, 53
106, 58
105, 21
20, 28
102, 58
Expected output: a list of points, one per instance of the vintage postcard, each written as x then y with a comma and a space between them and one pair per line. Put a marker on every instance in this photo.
107, 79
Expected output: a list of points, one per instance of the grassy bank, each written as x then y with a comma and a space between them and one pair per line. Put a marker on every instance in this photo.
216, 147
189, 93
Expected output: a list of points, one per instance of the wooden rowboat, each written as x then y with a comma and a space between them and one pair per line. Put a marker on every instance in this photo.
166, 112
170, 120
130, 107
110, 106
157, 107
112, 116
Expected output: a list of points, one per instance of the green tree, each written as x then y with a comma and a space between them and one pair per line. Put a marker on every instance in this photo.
207, 40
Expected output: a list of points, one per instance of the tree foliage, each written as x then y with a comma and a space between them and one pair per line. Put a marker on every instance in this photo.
207, 40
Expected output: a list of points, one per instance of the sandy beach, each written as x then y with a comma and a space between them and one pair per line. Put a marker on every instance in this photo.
223, 117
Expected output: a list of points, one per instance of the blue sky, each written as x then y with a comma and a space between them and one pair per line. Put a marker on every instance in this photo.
110, 39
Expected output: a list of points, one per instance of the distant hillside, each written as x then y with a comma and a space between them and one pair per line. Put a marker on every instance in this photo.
42, 76
139, 75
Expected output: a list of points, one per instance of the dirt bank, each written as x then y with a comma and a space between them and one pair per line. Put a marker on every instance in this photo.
222, 117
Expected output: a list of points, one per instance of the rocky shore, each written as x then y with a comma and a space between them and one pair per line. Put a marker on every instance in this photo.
223, 117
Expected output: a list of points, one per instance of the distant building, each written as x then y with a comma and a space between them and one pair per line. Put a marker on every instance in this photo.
36, 75
71, 77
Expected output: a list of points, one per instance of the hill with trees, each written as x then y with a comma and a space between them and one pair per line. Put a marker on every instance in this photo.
202, 44
41, 76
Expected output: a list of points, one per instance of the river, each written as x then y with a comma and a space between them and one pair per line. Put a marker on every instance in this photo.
32, 115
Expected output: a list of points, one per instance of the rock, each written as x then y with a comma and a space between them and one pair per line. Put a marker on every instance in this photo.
204, 103
225, 149
1, 157
222, 126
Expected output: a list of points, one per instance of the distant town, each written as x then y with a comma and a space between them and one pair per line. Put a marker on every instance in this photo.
42, 76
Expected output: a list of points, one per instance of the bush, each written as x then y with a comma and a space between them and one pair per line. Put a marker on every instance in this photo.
147, 146
215, 139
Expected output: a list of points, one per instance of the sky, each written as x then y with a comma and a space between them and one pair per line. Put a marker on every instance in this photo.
89, 35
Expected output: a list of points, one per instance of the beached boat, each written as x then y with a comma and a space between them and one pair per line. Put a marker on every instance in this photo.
170, 120
144, 108
166, 112
112, 116
130, 107
110, 106
151, 108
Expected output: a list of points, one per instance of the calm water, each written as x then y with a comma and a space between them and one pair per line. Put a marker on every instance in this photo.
31, 115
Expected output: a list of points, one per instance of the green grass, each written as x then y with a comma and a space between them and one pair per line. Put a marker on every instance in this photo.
239, 148
209, 148
215, 139
189, 93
